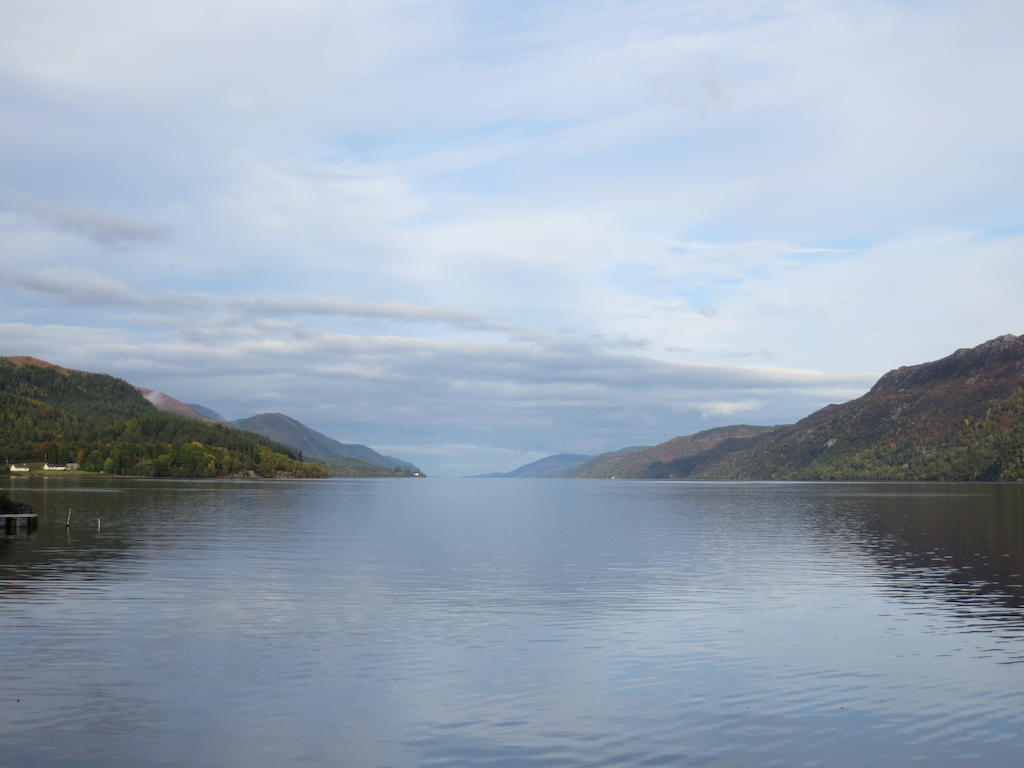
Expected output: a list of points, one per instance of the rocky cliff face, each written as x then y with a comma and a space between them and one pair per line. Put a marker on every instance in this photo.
1001, 359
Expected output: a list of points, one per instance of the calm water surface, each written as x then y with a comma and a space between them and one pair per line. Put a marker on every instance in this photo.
512, 623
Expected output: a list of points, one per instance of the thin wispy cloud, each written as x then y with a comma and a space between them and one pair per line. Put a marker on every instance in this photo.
79, 286
105, 229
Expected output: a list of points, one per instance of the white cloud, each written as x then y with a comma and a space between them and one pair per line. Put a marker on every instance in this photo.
517, 221
728, 408
900, 302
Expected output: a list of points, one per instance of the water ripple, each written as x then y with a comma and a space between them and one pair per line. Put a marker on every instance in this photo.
479, 624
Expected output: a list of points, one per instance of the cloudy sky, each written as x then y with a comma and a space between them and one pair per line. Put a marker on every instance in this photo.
474, 233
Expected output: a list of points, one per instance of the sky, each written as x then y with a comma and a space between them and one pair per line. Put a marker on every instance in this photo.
473, 234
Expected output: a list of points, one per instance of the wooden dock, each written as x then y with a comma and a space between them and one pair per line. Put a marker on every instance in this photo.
13, 521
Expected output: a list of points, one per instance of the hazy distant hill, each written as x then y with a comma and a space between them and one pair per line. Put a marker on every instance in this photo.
341, 458
669, 457
559, 465
313, 444
958, 418
208, 413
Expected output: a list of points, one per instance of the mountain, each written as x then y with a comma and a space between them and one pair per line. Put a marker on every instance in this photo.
296, 435
54, 414
164, 402
669, 457
593, 466
958, 418
559, 465
168, 404
208, 413
342, 459
35, 361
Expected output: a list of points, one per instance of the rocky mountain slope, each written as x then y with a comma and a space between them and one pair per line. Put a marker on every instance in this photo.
958, 418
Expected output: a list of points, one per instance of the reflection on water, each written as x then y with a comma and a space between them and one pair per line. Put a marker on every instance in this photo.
957, 543
508, 623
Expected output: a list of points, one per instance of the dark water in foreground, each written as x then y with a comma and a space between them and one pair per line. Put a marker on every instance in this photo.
513, 623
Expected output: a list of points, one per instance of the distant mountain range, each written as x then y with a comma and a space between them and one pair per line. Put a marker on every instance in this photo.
958, 418
63, 413
297, 436
287, 431
559, 465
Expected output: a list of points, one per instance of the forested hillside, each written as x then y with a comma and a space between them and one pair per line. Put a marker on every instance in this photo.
104, 424
673, 458
958, 418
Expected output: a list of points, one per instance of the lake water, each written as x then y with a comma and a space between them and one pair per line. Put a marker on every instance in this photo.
512, 623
